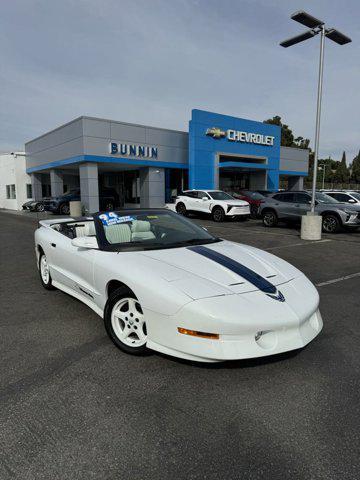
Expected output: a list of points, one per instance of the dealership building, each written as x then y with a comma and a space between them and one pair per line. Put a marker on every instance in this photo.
147, 165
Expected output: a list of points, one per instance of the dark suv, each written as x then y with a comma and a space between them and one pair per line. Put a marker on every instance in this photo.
108, 200
291, 206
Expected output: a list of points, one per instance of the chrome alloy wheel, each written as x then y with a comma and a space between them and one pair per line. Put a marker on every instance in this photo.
128, 323
44, 270
330, 224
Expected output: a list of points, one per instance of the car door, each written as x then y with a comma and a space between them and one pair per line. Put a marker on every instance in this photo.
302, 203
73, 267
285, 206
195, 201
203, 205
188, 198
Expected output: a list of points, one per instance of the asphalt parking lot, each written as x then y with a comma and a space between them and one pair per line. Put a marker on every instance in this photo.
72, 406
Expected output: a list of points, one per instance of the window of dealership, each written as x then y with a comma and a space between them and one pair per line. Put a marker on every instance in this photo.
147, 165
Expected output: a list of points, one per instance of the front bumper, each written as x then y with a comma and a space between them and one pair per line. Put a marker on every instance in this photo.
241, 210
352, 220
249, 325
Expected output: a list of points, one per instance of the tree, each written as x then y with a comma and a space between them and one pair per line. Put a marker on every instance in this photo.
287, 137
355, 167
342, 173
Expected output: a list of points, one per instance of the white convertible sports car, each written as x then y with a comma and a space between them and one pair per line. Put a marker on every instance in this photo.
161, 282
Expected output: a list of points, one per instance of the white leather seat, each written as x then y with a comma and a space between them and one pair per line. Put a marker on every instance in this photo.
118, 233
87, 229
141, 230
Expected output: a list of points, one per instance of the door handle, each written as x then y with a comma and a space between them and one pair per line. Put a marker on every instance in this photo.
53, 245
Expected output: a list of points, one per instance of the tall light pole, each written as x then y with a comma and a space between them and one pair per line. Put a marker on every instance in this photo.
316, 27
322, 167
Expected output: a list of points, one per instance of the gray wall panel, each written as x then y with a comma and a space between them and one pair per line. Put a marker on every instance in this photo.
96, 128
100, 146
167, 138
128, 133
294, 159
59, 152
61, 135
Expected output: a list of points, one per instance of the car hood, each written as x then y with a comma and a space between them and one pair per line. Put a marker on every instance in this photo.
349, 206
199, 277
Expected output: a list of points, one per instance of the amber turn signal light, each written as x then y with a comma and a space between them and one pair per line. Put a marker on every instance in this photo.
194, 333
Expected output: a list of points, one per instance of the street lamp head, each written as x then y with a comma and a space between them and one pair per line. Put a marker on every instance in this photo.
306, 19
299, 38
337, 36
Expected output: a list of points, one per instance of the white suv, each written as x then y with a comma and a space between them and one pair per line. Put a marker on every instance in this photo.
344, 196
215, 202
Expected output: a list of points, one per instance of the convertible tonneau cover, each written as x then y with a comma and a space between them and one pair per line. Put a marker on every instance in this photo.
49, 222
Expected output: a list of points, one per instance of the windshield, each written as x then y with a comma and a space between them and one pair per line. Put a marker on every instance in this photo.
218, 195
134, 230
355, 195
323, 198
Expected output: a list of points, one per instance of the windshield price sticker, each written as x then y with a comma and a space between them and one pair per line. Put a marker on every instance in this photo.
112, 218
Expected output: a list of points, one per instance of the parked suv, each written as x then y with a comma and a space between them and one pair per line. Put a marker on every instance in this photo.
108, 200
290, 206
214, 202
254, 199
344, 196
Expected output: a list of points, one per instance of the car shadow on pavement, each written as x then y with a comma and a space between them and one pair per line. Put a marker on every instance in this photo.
231, 364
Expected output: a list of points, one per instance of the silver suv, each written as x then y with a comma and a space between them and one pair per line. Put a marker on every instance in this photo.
290, 206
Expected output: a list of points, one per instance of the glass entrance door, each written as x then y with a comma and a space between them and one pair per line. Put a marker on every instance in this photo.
233, 180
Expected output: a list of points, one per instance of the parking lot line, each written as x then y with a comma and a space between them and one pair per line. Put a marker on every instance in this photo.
340, 279
297, 244
246, 230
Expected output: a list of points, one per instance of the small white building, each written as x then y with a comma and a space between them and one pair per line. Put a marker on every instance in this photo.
15, 183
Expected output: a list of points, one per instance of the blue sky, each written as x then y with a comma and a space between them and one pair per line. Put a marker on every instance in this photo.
152, 61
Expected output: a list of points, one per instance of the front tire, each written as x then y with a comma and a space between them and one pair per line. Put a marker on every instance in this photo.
40, 207
270, 219
330, 223
218, 214
125, 322
44, 272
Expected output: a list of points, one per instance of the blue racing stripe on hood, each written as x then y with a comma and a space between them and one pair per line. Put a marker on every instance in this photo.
257, 280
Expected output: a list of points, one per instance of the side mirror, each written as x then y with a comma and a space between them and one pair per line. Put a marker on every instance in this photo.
85, 242
351, 200
204, 199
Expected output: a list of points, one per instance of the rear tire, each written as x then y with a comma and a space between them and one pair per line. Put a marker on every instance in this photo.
270, 219
44, 272
125, 323
64, 209
218, 214
330, 223
181, 209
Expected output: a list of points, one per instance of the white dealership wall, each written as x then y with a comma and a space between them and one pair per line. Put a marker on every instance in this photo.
13, 172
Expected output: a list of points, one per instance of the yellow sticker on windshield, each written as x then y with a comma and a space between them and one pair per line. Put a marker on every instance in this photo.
152, 216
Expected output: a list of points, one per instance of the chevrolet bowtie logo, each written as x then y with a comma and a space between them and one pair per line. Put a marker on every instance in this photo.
215, 132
